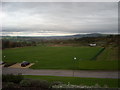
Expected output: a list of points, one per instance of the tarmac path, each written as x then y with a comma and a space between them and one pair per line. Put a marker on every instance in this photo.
69, 73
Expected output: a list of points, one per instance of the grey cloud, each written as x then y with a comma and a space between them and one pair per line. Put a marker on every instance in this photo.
63, 17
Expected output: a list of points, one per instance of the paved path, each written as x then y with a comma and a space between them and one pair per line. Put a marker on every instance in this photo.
77, 73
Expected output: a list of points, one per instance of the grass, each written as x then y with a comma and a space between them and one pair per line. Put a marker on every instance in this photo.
109, 54
78, 80
98, 65
59, 57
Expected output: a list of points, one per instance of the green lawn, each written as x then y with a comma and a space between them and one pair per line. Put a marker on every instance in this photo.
98, 65
109, 54
59, 57
78, 80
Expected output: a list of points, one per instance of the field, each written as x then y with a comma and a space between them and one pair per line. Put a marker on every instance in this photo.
78, 80
60, 58
109, 54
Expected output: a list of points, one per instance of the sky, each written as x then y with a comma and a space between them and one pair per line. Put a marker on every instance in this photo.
58, 18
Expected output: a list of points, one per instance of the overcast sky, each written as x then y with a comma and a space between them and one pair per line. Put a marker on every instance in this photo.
61, 18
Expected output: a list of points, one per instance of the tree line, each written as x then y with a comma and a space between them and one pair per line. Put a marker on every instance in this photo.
109, 40
13, 44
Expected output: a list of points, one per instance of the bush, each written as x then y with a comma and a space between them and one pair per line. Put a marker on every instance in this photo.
40, 83
12, 78
25, 83
57, 83
9, 85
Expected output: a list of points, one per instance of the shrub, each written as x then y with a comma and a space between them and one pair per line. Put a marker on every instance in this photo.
105, 86
25, 83
97, 85
9, 85
76, 86
12, 78
57, 83
40, 83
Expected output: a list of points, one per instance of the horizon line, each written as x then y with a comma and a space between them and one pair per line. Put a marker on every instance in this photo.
56, 35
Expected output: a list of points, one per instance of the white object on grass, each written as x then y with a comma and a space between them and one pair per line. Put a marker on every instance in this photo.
75, 58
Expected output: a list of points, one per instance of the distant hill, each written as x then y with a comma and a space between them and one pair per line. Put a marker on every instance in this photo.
78, 36
55, 37
88, 35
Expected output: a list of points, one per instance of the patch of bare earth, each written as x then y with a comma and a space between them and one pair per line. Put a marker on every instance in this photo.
18, 65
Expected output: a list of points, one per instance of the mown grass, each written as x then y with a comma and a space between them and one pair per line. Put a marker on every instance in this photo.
98, 65
109, 54
59, 57
78, 80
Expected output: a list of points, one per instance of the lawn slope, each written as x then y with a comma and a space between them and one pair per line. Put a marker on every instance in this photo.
109, 54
